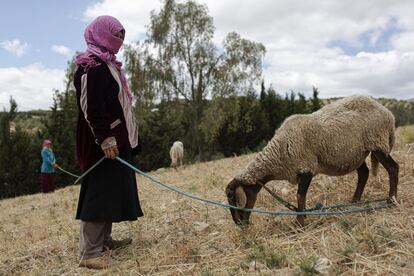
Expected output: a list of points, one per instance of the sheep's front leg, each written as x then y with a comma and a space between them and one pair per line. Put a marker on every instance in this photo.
304, 182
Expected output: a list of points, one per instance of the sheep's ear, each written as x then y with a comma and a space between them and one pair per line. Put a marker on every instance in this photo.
240, 197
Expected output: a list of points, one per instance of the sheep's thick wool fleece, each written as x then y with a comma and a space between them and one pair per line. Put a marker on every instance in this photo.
334, 140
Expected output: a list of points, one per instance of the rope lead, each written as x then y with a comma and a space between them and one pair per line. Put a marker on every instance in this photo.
316, 211
291, 213
69, 173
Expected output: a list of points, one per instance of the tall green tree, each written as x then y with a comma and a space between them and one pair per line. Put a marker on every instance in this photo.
316, 103
19, 158
274, 108
244, 130
5, 141
143, 78
301, 106
60, 127
185, 64
159, 128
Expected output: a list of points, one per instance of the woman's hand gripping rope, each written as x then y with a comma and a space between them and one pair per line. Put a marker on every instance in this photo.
111, 153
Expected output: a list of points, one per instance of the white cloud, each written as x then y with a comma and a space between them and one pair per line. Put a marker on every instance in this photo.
61, 49
134, 15
299, 35
386, 74
15, 47
404, 41
31, 86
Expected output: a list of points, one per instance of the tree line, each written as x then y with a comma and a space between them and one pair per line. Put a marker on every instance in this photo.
212, 98
245, 127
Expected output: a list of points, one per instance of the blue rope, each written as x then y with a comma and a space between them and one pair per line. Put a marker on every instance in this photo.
69, 173
90, 169
224, 205
319, 205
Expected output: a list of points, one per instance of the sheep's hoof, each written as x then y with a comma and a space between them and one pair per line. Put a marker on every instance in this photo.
355, 200
393, 200
243, 223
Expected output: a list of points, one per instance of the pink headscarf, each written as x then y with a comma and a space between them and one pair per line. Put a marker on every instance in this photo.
102, 42
46, 142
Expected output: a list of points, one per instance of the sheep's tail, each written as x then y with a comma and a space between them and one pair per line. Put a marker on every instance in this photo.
374, 165
391, 143
392, 140
391, 130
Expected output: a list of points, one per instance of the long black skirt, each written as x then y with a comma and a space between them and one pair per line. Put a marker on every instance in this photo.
109, 193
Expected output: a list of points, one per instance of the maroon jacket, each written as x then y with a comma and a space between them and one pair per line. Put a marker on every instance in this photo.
104, 111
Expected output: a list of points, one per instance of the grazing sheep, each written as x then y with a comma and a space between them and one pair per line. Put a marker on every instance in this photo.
334, 140
177, 154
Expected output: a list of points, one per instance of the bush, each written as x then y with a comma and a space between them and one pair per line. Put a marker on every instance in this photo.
407, 134
19, 158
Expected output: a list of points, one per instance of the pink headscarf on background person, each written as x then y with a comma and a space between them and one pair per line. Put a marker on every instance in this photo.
102, 42
46, 142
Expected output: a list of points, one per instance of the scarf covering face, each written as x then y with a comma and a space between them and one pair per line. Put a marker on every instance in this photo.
101, 42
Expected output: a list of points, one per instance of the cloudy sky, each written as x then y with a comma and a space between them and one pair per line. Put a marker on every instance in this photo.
341, 47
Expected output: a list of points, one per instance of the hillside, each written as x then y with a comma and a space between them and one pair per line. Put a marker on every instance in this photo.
403, 110
34, 120
178, 236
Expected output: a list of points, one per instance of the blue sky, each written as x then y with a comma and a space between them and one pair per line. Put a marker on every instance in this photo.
373, 41
364, 48
42, 24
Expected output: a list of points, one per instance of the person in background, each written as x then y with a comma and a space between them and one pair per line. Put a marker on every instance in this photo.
47, 171
106, 127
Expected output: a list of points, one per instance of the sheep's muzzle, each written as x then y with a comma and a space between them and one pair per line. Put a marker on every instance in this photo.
237, 197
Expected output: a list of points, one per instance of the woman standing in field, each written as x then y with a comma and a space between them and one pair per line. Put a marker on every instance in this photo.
47, 170
106, 127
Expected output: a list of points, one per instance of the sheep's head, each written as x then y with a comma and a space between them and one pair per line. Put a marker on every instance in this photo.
243, 196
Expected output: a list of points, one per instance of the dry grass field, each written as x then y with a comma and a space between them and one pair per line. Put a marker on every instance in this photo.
179, 236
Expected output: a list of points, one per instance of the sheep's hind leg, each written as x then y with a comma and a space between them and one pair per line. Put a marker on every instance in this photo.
363, 174
392, 168
304, 182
